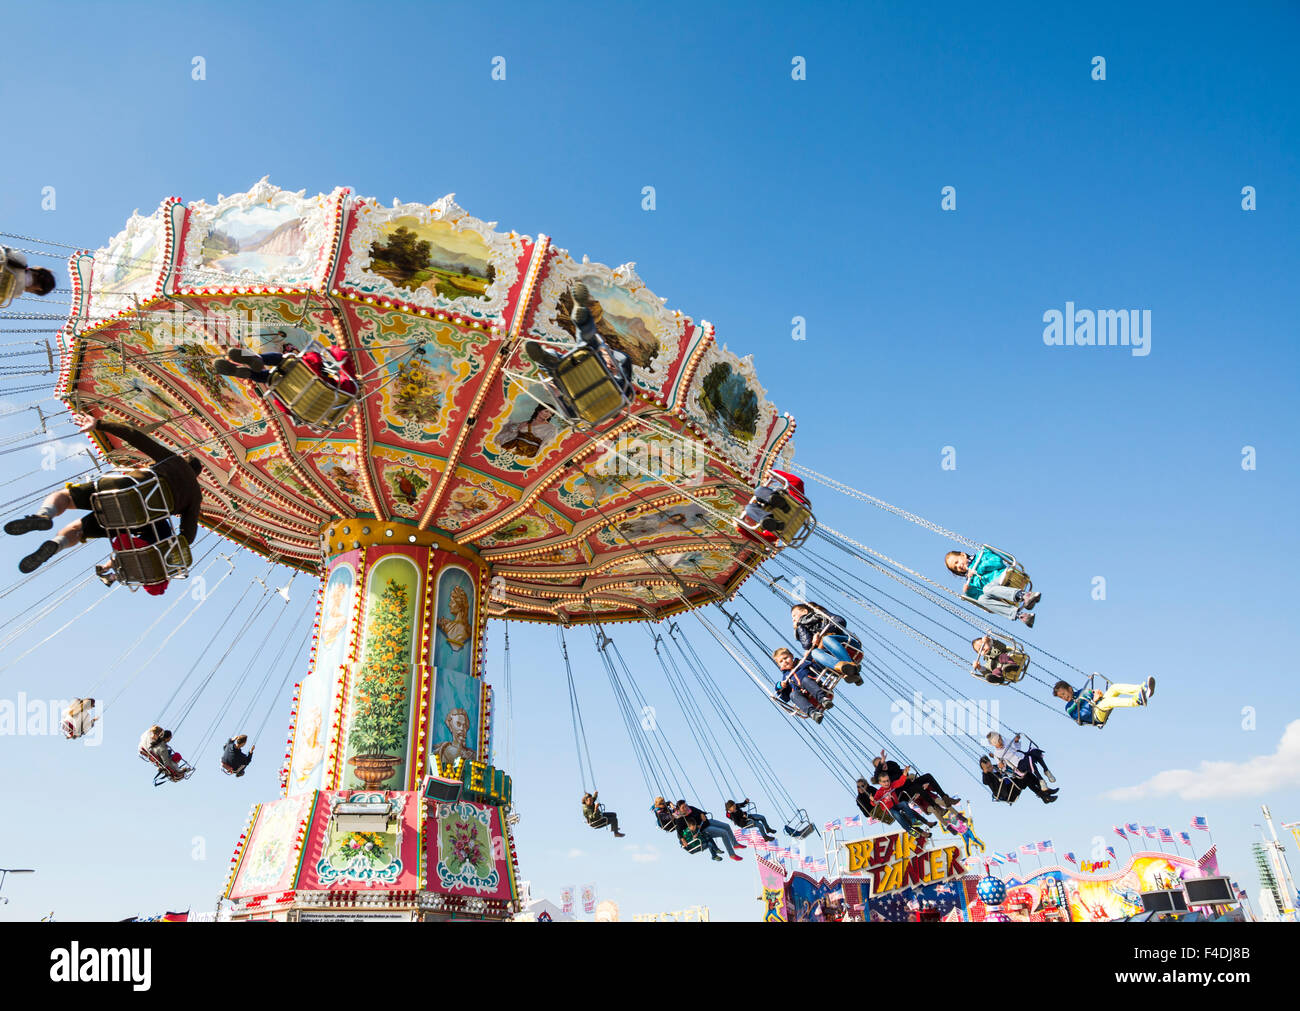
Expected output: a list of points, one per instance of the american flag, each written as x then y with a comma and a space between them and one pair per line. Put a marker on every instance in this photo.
1111, 851
1166, 835
1046, 846
1012, 858
1201, 823
1187, 840
1132, 827
831, 826
1119, 832
853, 821
1070, 857
1149, 831
1029, 849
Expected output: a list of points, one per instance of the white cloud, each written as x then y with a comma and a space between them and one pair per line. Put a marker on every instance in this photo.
1258, 775
643, 854
576, 854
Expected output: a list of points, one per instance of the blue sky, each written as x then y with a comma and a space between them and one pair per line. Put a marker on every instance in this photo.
775, 198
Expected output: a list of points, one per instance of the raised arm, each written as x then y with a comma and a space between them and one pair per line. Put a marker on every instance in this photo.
153, 449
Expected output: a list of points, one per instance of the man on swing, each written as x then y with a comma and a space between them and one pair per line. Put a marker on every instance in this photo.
179, 474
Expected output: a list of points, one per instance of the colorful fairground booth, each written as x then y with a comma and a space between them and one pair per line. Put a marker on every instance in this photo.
888, 878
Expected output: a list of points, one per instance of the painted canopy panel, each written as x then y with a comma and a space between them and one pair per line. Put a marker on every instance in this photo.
454, 430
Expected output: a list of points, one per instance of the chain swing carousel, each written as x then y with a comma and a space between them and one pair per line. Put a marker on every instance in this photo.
451, 481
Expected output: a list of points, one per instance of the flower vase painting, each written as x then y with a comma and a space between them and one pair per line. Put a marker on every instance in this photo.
379, 729
465, 850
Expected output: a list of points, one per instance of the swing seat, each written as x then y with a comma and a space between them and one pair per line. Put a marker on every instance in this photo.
600, 821
587, 389
164, 772
1009, 677
11, 286
123, 502
792, 517
69, 729
154, 563
800, 827
1012, 575
311, 399
692, 841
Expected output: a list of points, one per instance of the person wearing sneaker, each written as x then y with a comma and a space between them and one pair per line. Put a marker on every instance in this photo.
917, 783
799, 687
994, 660
709, 829
1091, 706
826, 640
335, 366
1004, 785
887, 796
982, 573
1026, 763
584, 316
742, 818
598, 817
179, 473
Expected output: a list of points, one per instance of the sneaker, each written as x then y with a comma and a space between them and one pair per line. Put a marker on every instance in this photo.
1151, 687
734, 857
1028, 619
38, 557
248, 359
952, 801
617, 835
1030, 600
817, 716
739, 846
225, 367
546, 359
717, 856
28, 523
828, 704
586, 326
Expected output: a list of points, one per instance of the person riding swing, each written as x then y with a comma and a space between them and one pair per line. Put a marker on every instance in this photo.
170, 476
234, 760
596, 815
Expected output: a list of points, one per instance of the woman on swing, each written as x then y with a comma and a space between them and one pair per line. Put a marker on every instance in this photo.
598, 818
826, 640
1026, 763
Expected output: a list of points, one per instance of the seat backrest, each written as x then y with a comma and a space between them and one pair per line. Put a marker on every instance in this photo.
587, 383
308, 396
10, 287
141, 566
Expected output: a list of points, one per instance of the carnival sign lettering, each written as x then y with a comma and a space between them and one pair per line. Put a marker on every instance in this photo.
894, 862
479, 781
1094, 865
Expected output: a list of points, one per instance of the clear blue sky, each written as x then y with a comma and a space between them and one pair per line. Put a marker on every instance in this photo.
775, 198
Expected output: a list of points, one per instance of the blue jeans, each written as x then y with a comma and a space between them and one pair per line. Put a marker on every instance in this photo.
904, 815
719, 830
800, 701
760, 823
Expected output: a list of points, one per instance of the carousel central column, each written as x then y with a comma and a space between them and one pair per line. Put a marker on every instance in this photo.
402, 629
391, 807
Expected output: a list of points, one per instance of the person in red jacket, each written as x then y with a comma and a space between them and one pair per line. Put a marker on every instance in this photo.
887, 797
335, 366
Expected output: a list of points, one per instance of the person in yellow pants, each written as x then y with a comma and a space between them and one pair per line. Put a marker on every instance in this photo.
1093, 706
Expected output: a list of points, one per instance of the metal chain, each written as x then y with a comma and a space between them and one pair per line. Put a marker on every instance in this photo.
862, 496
